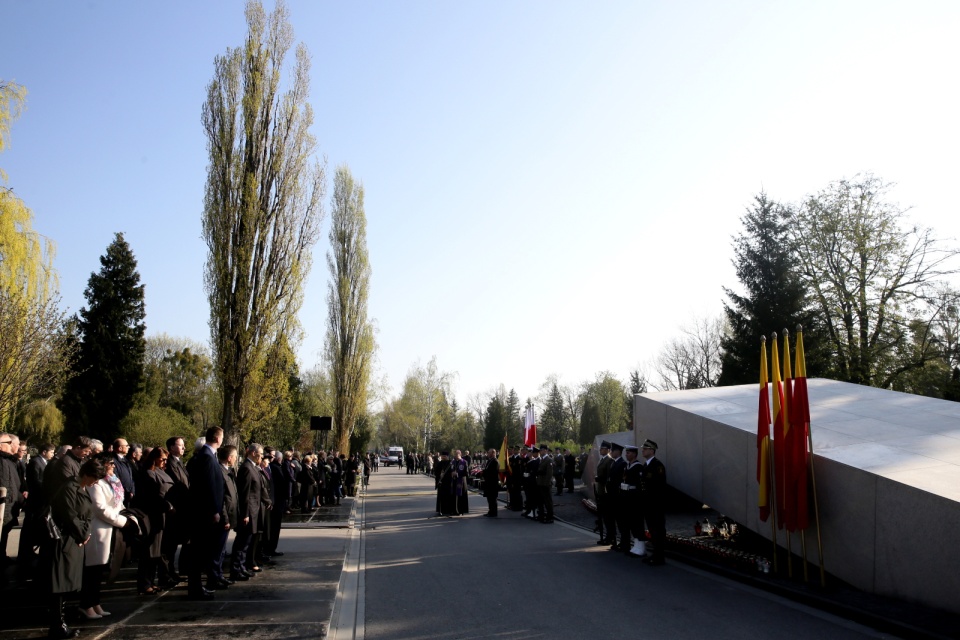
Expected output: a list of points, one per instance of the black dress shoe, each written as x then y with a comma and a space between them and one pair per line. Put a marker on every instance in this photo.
252, 570
239, 577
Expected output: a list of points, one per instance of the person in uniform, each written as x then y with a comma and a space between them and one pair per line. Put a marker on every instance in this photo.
530, 484
614, 481
515, 481
459, 468
654, 501
632, 501
605, 519
446, 500
491, 482
545, 483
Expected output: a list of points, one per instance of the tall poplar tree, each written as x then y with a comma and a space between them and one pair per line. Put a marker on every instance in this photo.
263, 201
350, 341
773, 296
108, 368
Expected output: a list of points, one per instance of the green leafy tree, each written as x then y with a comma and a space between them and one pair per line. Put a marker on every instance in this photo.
774, 295
263, 202
350, 344
608, 398
872, 276
108, 369
34, 347
151, 425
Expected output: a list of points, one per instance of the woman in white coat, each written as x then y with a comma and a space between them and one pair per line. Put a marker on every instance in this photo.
106, 496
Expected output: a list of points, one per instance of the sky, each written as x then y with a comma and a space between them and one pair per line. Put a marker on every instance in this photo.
551, 187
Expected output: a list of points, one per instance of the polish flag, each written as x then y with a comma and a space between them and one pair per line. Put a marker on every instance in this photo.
530, 428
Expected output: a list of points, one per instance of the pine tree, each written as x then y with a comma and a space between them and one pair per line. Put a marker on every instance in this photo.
108, 369
552, 424
774, 298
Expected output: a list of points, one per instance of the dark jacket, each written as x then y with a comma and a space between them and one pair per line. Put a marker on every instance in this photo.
60, 471
249, 487
124, 470
229, 496
72, 512
10, 478
206, 487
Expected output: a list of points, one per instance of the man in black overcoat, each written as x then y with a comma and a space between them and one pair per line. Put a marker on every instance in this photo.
206, 513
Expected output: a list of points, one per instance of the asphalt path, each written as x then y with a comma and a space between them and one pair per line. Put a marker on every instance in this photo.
424, 576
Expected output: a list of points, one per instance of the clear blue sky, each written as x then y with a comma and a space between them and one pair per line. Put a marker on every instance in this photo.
551, 187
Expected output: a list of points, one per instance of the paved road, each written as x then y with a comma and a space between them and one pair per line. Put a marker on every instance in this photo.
422, 576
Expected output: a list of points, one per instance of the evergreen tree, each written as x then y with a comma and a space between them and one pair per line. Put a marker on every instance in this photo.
552, 426
108, 368
591, 424
774, 298
495, 421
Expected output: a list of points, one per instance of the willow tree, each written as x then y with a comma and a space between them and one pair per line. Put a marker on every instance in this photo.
33, 347
350, 343
263, 201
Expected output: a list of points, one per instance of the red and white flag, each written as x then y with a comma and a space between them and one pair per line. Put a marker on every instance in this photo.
530, 428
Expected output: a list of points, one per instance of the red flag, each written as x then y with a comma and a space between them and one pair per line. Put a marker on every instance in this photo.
797, 441
530, 428
504, 460
763, 438
779, 437
787, 497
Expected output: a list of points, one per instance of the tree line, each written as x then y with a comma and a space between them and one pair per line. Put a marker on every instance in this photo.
872, 290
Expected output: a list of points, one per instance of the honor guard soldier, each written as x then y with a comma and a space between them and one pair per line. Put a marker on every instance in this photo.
605, 520
633, 503
654, 501
614, 481
530, 488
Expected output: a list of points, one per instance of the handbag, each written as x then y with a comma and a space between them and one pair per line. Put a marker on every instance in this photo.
52, 529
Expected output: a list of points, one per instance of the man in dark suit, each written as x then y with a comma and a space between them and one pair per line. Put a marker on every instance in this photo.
249, 487
491, 482
227, 455
280, 475
207, 488
654, 501
177, 521
123, 468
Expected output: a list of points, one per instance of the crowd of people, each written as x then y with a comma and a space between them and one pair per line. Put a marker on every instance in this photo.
630, 488
88, 511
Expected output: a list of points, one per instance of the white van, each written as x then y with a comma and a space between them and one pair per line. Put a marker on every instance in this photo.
394, 456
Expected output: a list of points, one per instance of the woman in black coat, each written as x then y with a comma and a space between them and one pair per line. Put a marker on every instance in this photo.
71, 512
152, 485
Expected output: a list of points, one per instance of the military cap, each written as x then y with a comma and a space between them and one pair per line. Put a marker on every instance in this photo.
617, 446
631, 448
649, 444
604, 445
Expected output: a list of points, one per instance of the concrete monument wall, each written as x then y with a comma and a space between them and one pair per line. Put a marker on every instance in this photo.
887, 471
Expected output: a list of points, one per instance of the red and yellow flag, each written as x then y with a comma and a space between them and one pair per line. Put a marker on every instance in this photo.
797, 443
763, 437
779, 424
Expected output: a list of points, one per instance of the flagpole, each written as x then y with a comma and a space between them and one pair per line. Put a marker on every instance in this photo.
773, 513
816, 511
